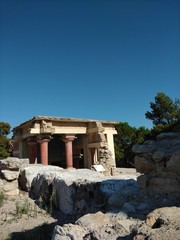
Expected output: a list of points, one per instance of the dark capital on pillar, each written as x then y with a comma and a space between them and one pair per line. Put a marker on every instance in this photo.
45, 138
68, 138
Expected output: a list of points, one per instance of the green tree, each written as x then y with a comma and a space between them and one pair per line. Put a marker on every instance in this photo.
4, 141
164, 111
125, 138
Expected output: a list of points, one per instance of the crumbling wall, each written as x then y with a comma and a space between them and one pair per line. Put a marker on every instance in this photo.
159, 161
97, 139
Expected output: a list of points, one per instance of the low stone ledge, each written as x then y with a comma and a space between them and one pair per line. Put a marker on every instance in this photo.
9, 175
13, 163
28, 173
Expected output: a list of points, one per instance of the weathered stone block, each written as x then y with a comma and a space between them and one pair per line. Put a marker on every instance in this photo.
13, 163
169, 135
142, 181
93, 221
13, 192
28, 173
143, 165
10, 175
10, 186
164, 184
151, 219
158, 156
68, 232
173, 165
147, 147
70, 187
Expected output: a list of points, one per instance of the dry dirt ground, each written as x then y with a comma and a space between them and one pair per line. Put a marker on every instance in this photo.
22, 218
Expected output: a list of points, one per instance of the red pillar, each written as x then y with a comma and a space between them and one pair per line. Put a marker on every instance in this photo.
69, 152
44, 150
32, 152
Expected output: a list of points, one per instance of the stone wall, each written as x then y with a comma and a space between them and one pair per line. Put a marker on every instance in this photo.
159, 161
9, 174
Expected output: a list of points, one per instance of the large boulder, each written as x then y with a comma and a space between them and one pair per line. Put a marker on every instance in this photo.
68, 232
143, 165
164, 183
147, 147
9, 173
173, 165
162, 223
76, 191
28, 173
159, 160
95, 226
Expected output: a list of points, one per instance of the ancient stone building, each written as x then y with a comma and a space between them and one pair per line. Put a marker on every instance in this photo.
66, 142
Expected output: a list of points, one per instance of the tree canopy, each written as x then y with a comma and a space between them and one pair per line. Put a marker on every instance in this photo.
125, 138
164, 110
4, 141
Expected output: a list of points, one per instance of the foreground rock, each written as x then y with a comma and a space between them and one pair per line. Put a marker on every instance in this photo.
29, 173
9, 173
82, 191
13, 163
94, 226
162, 224
159, 160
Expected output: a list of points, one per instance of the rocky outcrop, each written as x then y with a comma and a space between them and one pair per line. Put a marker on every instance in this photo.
75, 192
9, 173
159, 161
97, 142
78, 192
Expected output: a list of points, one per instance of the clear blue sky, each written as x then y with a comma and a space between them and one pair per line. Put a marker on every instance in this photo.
94, 59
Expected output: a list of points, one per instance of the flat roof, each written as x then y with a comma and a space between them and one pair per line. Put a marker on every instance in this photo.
63, 119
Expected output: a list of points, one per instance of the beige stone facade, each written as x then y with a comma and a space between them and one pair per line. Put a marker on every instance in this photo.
66, 142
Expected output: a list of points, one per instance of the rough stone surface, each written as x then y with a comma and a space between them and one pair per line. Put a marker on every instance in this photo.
13, 163
104, 157
93, 221
94, 226
105, 207
159, 160
76, 191
173, 165
28, 173
147, 147
162, 224
143, 165
10, 186
82, 191
10, 175
12, 192
68, 232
